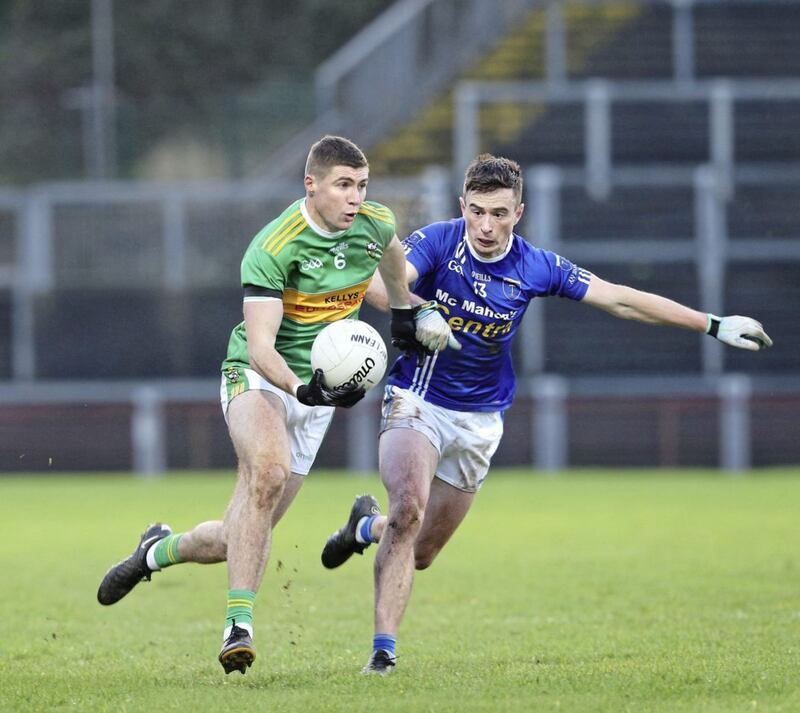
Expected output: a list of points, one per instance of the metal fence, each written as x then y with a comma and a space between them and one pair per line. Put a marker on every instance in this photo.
159, 237
731, 422
715, 226
117, 236
594, 103
153, 239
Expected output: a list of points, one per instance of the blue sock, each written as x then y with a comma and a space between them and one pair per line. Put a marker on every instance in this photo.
387, 642
365, 531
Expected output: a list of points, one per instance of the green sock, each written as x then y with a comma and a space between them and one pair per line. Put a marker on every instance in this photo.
240, 607
166, 551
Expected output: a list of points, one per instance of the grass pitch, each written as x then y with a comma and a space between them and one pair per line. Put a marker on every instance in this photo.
651, 591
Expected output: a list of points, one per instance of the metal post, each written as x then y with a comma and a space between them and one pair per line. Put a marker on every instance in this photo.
722, 135
148, 432
555, 44
597, 139
35, 250
544, 221
436, 194
34, 245
465, 131
710, 238
23, 341
543, 227
550, 423
682, 41
533, 338
102, 91
174, 275
734, 423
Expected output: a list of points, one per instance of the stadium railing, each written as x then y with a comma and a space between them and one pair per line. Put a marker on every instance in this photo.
549, 426
597, 98
117, 234
172, 237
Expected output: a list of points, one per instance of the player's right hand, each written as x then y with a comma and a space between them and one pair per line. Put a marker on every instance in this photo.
738, 331
433, 332
315, 393
421, 330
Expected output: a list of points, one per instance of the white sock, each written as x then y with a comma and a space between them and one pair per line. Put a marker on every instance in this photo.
247, 627
151, 558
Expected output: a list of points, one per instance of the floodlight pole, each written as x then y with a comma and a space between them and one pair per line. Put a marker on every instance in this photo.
96, 100
101, 99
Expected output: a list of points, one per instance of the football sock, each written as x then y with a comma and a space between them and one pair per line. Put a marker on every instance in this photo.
240, 610
164, 553
387, 642
364, 529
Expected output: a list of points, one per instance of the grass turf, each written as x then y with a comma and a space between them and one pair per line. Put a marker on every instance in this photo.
651, 591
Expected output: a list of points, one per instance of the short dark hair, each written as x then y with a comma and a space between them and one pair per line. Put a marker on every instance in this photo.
488, 173
332, 151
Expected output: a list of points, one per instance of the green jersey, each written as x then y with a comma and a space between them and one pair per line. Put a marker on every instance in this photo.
320, 277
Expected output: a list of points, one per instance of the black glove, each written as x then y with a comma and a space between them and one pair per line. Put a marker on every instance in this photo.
404, 333
315, 393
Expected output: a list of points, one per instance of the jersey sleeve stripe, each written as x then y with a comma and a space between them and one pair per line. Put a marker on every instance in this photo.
376, 207
288, 219
383, 217
269, 245
287, 224
276, 247
377, 216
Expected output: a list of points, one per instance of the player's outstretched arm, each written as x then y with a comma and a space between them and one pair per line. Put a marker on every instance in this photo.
628, 303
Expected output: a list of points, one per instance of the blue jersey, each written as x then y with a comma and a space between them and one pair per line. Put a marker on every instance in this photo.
483, 301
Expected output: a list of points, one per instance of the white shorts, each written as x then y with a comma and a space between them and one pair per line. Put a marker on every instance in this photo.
306, 425
466, 440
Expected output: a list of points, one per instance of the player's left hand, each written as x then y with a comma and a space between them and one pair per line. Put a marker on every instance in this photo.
315, 393
738, 331
432, 331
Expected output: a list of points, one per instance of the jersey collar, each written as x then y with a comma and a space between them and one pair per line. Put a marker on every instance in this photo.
496, 258
320, 231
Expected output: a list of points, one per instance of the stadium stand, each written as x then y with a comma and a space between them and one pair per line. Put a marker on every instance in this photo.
660, 146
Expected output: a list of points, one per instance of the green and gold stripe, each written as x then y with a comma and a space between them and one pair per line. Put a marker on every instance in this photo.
284, 232
240, 606
373, 210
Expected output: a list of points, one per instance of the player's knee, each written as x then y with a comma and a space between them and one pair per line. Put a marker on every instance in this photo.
406, 514
266, 491
266, 484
